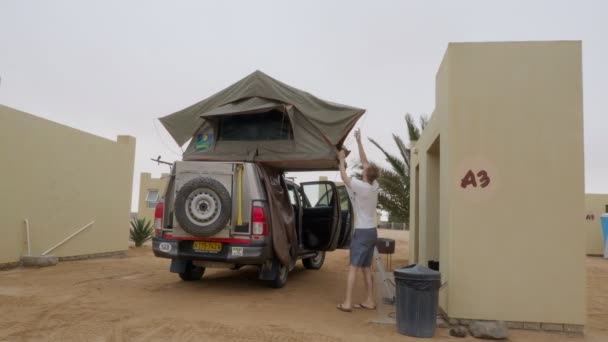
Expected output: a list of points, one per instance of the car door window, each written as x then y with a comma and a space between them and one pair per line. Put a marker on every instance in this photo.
343, 198
319, 194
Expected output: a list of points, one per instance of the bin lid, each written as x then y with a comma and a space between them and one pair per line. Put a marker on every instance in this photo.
417, 272
604, 215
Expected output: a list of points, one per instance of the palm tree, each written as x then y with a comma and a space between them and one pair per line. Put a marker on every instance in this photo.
395, 181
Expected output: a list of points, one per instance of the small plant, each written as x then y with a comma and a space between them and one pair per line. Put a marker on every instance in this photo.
141, 231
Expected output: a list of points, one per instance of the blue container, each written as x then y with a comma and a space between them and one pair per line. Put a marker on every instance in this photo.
604, 220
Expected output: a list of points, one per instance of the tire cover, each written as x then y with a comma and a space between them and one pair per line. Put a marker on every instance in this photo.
203, 206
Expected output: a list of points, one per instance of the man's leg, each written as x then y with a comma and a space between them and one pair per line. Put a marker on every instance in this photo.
370, 302
350, 284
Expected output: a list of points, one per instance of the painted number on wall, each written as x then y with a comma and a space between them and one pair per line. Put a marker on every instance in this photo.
472, 179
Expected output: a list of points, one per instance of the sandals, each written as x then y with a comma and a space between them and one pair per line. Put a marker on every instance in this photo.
356, 306
361, 306
343, 309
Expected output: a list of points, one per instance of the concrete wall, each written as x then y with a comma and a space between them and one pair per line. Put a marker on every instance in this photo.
147, 183
60, 179
595, 206
511, 113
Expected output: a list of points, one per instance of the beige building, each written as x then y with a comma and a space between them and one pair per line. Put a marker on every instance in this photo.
151, 191
595, 206
498, 186
61, 179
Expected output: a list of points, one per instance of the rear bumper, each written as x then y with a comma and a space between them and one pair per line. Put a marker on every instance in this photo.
233, 253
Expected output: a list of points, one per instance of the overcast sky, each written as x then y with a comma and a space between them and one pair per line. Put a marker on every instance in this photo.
113, 67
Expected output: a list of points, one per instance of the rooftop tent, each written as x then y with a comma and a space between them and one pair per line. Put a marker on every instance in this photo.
262, 119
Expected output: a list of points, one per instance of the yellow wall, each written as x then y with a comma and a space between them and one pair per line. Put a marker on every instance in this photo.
595, 204
509, 251
148, 183
60, 179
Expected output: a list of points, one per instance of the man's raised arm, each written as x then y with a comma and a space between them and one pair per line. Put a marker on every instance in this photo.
362, 154
345, 178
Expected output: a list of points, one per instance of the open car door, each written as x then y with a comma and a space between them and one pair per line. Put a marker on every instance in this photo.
346, 218
321, 219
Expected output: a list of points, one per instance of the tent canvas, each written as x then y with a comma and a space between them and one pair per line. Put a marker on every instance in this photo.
302, 132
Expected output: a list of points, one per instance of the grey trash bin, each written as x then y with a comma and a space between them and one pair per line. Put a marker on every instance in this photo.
417, 300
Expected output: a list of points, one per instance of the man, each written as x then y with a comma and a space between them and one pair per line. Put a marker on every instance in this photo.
364, 195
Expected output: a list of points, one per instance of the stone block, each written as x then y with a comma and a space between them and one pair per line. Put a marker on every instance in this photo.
39, 261
515, 325
495, 330
531, 326
552, 327
574, 328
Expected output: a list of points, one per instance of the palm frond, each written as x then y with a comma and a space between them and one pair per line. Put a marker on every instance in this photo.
424, 120
398, 165
394, 182
405, 152
358, 170
412, 129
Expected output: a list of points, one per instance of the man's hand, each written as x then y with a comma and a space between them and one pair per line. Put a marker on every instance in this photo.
358, 134
341, 155
362, 155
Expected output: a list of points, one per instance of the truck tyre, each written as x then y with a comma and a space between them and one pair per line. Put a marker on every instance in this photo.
203, 206
280, 273
192, 272
315, 262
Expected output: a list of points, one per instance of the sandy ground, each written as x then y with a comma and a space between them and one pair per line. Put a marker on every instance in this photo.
137, 299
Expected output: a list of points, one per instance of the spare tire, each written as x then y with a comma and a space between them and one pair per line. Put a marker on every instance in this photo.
203, 206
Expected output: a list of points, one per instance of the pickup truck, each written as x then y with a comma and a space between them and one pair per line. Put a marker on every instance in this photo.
217, 215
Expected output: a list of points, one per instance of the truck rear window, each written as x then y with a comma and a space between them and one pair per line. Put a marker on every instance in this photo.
273, 125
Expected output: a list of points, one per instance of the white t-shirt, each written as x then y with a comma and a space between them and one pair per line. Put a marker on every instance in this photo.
364, 197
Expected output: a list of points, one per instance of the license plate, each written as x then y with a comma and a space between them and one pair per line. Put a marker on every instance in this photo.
204, 246
237, 251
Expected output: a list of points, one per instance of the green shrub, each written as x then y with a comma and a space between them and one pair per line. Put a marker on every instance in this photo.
141, 231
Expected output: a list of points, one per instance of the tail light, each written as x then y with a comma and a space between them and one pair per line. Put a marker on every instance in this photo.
158, 218
259, 224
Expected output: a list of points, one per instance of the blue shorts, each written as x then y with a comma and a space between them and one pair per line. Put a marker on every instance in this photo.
362, 247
